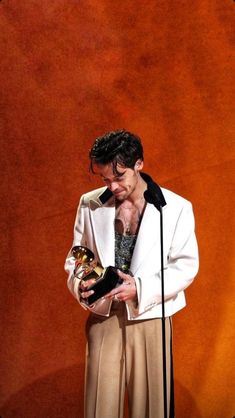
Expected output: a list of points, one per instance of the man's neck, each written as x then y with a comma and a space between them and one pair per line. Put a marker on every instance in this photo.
137, 196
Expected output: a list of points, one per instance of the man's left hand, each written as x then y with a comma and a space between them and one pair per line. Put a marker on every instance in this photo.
126, 291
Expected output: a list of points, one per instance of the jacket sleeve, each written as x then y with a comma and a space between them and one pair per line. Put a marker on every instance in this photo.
79, 239
83, 236
180, 268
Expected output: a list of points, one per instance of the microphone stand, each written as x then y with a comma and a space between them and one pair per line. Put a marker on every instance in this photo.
163, 316
154, 195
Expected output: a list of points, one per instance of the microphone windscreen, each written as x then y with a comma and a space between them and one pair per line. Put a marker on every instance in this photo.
150, 197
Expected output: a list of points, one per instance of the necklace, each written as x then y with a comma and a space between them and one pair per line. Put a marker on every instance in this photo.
129, 215
127, 220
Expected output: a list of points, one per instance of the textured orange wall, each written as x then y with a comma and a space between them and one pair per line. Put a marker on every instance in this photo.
72, 70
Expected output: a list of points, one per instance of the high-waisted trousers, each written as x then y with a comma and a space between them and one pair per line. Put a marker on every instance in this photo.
123, 355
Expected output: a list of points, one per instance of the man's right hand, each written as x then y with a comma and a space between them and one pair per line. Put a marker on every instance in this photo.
84, 286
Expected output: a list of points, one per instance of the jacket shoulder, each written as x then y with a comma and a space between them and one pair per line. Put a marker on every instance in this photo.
92, 195
174, 199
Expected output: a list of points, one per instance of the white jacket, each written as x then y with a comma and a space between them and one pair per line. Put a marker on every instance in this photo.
94, 228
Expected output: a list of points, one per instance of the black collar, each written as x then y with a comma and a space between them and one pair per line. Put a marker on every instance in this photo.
154, 193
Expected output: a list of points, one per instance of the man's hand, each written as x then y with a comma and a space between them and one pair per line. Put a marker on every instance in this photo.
84, 284
126, 291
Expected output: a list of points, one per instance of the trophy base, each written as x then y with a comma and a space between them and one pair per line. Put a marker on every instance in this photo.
107, 282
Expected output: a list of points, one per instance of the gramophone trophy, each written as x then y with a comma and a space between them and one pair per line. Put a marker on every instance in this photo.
105, 279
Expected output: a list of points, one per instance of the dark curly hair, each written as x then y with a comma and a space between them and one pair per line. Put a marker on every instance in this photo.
116, 147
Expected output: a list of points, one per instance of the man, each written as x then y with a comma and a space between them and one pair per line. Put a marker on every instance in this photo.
124, 328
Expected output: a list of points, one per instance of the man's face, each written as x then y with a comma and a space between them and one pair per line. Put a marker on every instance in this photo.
122, 185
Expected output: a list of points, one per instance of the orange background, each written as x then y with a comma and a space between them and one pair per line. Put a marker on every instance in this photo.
72, 70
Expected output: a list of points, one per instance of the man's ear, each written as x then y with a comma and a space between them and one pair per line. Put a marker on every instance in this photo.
139, 164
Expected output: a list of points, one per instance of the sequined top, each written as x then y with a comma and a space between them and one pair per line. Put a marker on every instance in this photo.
124, 247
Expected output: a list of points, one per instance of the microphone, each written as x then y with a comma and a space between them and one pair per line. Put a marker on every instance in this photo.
154, 195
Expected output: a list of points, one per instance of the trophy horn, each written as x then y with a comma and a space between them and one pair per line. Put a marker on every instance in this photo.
82, 254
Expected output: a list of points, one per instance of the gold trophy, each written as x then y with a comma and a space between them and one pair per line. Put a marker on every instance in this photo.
86, 268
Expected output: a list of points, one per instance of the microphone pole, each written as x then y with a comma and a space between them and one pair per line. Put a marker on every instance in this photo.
163, 317
154, 195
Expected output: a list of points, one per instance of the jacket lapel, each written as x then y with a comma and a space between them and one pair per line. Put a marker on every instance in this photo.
148, 236
102, 218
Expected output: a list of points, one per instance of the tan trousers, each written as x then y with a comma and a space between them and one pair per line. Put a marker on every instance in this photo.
121, 355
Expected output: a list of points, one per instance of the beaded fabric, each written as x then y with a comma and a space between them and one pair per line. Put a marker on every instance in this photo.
124, 247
